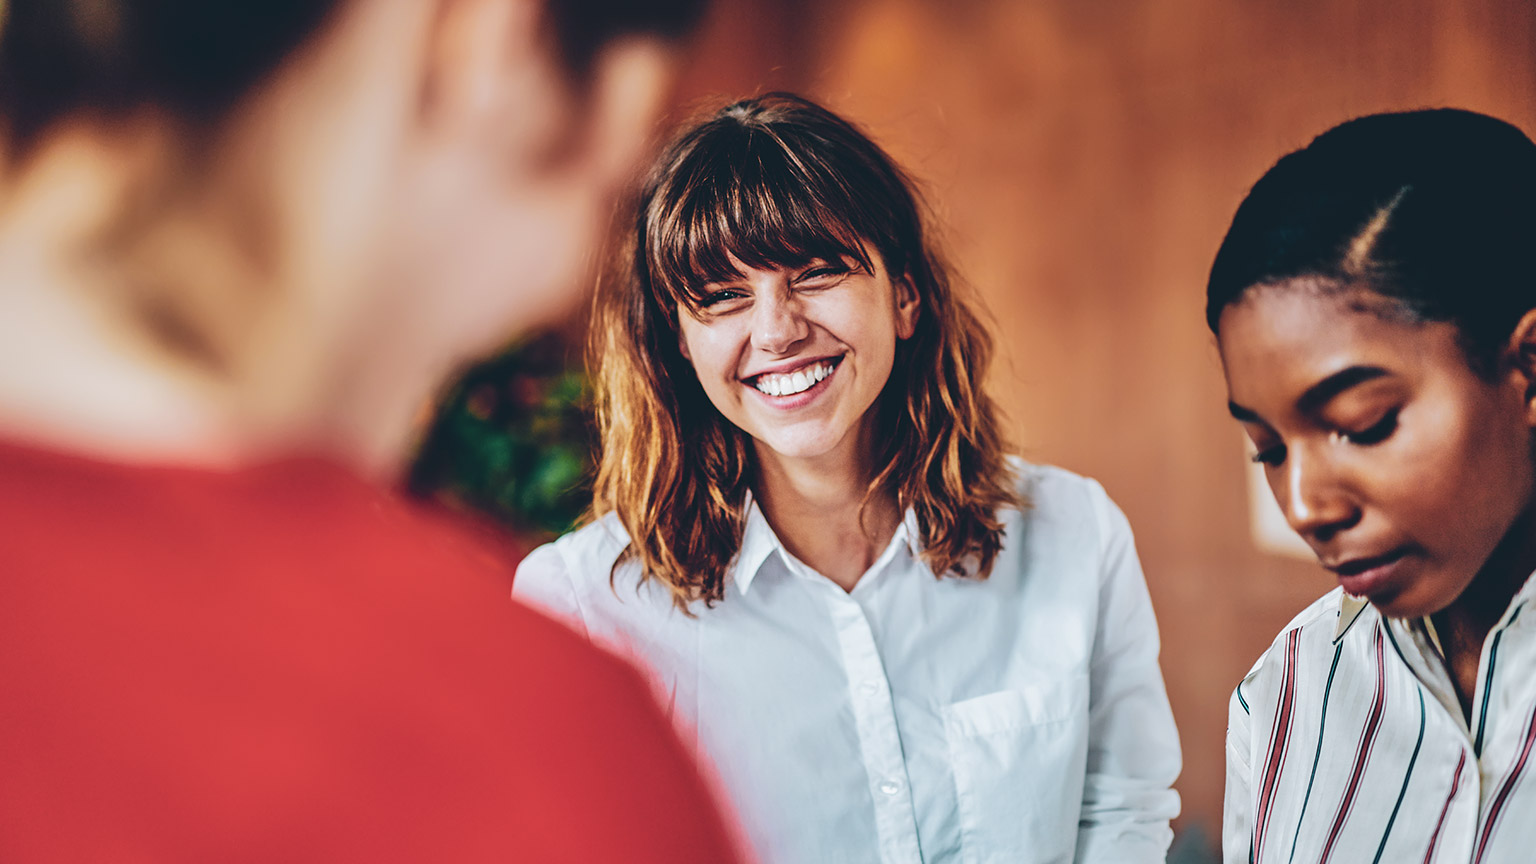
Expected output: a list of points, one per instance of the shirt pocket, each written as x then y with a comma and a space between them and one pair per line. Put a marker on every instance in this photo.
1018, 758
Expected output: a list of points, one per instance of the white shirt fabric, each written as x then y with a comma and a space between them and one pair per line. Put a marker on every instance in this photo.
1346, 743
1018, 719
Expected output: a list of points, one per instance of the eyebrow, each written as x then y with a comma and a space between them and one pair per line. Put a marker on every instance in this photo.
1318, 394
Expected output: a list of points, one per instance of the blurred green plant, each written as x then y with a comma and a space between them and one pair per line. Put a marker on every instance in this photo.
514, 440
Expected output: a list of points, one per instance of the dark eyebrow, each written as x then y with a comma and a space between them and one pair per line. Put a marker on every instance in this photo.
1324, 391
1318, 394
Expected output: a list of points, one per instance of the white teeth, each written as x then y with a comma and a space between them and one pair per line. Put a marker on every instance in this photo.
796, 382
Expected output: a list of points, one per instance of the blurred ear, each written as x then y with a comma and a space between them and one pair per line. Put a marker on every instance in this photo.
907, 307
1522, 351
630, 82
494, 72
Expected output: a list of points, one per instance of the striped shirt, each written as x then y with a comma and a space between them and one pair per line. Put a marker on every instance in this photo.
1347, 743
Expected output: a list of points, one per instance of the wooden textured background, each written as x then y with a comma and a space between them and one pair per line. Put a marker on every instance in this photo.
1086, 156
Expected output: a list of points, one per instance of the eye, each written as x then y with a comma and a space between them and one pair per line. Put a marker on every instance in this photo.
1376, 433
1271, 456
821, 273
715, 298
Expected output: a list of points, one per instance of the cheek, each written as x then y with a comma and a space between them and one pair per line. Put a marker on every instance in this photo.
701, 347
1466, 477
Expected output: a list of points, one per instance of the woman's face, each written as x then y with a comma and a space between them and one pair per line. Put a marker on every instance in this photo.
1399, 465
795, 357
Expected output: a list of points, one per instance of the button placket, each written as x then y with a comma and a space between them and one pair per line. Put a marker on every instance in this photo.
879, 737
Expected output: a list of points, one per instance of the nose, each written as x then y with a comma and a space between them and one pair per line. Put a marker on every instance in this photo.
1316, 504
778, 324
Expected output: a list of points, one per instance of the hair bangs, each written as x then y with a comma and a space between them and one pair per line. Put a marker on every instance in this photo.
754, 205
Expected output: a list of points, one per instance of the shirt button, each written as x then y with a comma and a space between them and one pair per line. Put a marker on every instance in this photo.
869, 688
890, 787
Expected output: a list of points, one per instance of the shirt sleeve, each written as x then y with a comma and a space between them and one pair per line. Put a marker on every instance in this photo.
1133, 746
1237, 815
544, 582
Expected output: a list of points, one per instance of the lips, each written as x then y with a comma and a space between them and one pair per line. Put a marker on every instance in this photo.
1369, 575
793, 380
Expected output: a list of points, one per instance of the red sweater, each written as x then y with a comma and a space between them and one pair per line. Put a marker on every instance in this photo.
288, 664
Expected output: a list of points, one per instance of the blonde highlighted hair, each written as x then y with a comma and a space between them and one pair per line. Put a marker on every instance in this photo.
778, 181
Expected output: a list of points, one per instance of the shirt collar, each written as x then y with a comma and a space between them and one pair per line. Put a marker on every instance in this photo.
758, 542
1350, 608
911, 532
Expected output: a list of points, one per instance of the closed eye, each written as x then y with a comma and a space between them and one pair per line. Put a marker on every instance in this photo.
821, 273
1271, 456
1376, 433
714, 298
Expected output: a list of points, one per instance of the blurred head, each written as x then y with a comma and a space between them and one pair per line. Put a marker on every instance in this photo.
782, 301
334, 202
1372, 302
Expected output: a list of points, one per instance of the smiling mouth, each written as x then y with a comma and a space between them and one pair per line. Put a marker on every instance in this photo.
798, 381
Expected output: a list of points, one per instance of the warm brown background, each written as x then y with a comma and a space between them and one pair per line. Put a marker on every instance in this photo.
1086, 156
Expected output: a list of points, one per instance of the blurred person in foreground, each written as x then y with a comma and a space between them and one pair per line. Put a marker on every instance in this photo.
895, 643
240, 244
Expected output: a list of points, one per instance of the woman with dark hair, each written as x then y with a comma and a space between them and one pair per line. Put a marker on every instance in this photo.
241, 243
806, 527
1375, 308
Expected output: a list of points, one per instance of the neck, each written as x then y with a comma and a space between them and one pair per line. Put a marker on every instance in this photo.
1478, 609
819, 510
169, 341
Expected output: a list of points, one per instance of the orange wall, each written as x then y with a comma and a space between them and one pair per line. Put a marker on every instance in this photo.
1086, 156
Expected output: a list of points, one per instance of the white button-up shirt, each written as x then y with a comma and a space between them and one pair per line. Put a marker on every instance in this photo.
914, 719
1346, 743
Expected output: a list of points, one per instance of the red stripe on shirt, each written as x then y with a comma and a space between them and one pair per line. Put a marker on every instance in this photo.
1496, 809
1279, 744
1434, 839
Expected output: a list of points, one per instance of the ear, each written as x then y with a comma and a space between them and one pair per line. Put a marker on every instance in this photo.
630, 83
682, 346
907, 307
480, 56
492, 76
1522, 353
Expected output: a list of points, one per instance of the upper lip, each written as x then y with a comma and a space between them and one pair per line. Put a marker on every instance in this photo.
790, 366
1354, 566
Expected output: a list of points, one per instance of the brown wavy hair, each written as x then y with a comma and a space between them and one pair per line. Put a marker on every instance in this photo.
778, 181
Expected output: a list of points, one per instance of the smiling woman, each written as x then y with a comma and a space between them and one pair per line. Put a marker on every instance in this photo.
1376, 315
805, 527
772, 238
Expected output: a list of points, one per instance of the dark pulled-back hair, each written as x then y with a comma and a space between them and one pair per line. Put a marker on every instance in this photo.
778, 181
1433, 209
197, 58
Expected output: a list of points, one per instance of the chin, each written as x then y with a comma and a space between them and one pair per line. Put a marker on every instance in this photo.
800, 448
1407, 604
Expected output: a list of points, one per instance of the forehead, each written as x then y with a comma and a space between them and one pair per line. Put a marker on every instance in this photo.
1277, 341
